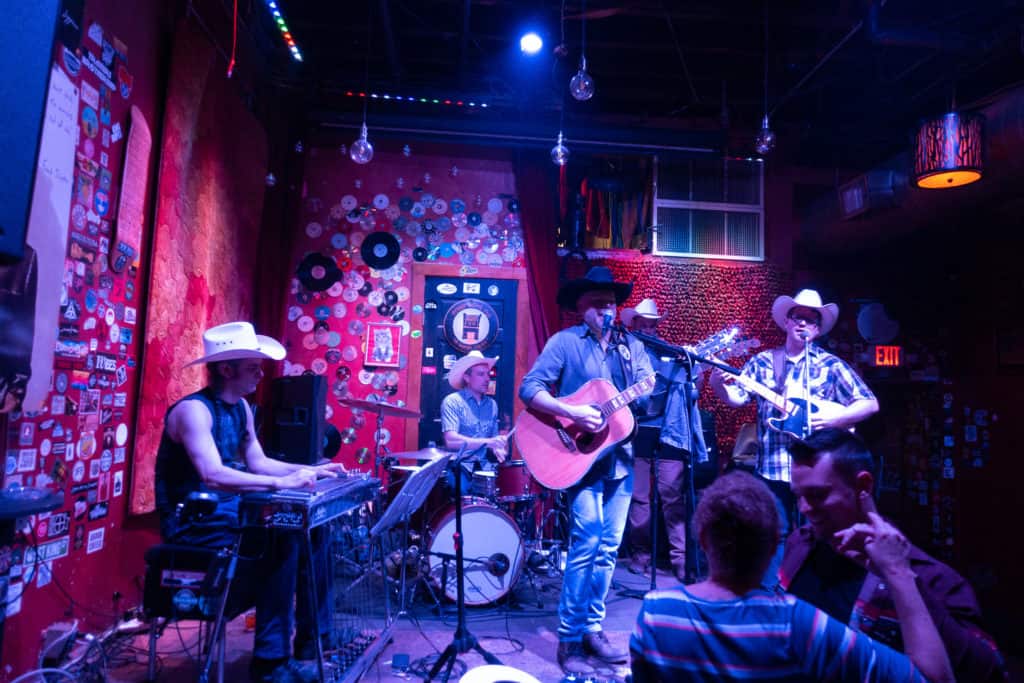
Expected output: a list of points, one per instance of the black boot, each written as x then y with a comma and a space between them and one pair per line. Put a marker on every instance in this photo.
597, 644
572, 659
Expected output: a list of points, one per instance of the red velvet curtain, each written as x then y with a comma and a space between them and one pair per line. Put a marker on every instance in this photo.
537, 188
213, 161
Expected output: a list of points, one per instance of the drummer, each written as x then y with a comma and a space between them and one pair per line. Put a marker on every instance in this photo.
469, 417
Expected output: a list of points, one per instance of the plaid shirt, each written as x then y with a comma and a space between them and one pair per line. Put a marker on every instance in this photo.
830, 379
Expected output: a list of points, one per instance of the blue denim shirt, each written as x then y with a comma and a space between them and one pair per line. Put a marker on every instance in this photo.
675, 428
571, 358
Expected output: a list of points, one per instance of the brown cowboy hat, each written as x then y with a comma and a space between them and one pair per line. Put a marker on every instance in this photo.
597, 278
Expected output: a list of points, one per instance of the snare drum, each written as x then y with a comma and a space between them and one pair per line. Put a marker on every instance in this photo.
491, 540
483, 485
515, 483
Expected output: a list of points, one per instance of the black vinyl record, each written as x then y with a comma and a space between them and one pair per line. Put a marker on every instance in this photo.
317, 272
332, 441
380, 250
419, 254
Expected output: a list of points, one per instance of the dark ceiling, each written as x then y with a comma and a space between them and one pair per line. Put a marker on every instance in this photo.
847, 80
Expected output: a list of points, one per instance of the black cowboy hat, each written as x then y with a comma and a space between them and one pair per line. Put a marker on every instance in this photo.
597, 278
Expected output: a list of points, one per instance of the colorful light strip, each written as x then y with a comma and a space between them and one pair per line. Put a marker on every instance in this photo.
422, 100
275, 11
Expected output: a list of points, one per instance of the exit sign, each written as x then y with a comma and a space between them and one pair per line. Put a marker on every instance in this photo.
888, 357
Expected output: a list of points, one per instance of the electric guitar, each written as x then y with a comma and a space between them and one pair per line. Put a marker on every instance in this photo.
796, 411
723, 344
559, 453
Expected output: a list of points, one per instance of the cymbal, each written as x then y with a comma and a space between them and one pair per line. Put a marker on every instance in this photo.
380, 407
421, 455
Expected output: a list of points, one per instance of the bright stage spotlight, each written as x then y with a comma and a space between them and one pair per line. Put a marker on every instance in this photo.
530, 43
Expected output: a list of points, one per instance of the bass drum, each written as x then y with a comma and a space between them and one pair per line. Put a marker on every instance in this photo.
492, 550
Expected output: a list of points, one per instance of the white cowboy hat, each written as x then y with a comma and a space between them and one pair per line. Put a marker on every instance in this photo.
497, 673
648, 309
459, 367
232, 341
805, 298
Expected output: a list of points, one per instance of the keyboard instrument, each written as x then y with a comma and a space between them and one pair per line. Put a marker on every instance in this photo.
304, 509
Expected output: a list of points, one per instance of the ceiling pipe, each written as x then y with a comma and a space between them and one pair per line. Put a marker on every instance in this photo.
464, 45
389, 41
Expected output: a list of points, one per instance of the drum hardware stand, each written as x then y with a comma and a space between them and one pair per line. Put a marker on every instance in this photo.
463, 641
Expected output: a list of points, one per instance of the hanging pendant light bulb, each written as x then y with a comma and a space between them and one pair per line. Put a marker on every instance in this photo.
560, 153
764, 143
361, 150
582, 84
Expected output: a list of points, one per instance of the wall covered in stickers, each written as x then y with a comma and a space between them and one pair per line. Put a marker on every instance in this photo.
414, 203
78, 437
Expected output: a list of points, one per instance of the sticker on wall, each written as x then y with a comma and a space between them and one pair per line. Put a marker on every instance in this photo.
471, 324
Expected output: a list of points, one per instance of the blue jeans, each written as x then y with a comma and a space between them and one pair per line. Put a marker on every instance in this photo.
599, 513
785, 505
272, 572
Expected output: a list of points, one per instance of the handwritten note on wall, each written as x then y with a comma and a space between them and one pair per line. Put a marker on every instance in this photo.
48, 224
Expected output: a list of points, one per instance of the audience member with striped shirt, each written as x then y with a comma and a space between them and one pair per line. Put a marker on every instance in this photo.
728, 628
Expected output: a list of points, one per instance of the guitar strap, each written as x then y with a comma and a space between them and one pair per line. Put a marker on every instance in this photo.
625, 359
779, 367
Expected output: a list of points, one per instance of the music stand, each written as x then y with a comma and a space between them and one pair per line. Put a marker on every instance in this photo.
412, 496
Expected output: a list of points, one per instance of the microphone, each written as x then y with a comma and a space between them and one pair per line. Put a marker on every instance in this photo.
606, 323
802, 334
498, 564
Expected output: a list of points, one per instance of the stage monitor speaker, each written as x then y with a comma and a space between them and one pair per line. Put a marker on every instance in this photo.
24, 80
296, 418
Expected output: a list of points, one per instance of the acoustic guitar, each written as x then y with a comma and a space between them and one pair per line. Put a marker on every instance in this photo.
557, 451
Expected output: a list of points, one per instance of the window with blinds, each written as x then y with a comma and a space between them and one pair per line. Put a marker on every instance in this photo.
709, 208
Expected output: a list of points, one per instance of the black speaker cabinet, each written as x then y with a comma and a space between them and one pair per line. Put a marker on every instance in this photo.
24, 78
705, 472
296, 418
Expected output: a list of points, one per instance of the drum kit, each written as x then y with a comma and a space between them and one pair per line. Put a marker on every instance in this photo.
505, 515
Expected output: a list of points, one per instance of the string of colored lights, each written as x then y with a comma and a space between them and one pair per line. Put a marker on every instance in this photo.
412, 98
285, 33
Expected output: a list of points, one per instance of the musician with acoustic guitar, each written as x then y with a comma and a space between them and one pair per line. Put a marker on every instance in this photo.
800, 388
575, 435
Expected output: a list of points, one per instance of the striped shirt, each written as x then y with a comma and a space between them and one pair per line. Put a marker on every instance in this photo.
759, 637
830, 379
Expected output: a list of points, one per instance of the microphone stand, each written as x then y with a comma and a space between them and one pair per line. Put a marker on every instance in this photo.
463, 641
806, 381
